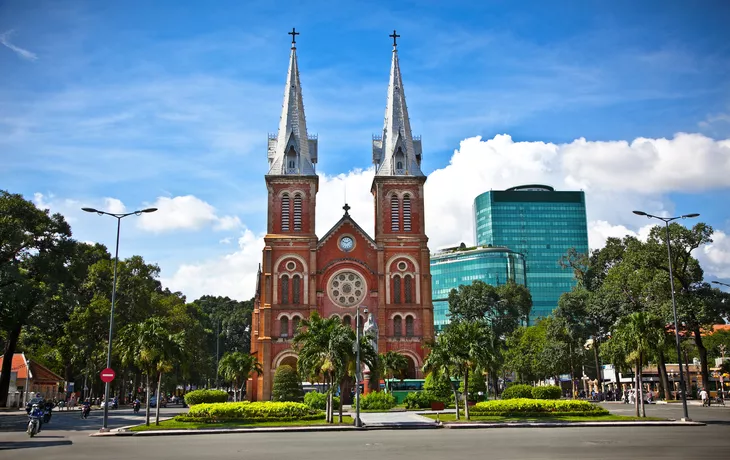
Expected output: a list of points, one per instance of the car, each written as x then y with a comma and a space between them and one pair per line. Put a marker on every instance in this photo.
112, 404
153, 402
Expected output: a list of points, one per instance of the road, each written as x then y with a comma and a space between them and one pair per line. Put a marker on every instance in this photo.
68, 439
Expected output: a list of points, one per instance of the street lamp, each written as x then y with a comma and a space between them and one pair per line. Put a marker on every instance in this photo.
119, 218
721, 284
358, 422
666, 220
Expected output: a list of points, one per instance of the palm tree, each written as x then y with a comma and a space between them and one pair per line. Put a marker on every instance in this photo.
392, 363
439, 362
236, 367
638, 334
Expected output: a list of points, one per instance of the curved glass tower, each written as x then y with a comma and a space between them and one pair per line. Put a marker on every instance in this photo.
541, 224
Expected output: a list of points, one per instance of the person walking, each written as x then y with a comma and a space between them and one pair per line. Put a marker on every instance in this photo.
705, 397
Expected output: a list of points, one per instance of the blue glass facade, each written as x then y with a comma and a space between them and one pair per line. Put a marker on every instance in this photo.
454, 267
541, 224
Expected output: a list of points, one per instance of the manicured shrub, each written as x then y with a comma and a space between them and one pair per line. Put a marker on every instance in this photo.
319, 400
537, 407
517, 391
547, 392
419, 400
378, 400
439, 387
253, 411
205, 396
287, 386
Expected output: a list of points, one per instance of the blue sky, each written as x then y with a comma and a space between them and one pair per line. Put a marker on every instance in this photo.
139, 103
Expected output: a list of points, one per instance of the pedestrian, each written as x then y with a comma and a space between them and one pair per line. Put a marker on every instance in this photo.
705, 397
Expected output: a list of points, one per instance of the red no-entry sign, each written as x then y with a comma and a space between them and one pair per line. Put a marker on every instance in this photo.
107, 375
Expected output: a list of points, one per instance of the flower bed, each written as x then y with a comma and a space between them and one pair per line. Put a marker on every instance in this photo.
251, 411
536, 408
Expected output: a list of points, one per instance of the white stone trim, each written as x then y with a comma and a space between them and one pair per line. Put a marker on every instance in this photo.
411, 354
282, 355
305, 280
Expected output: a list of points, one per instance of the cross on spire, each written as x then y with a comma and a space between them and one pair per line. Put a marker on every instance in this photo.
347, 208
394, 36
293, 34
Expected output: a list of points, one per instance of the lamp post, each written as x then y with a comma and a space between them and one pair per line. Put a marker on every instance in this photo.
119, 218
666, 220
358, 422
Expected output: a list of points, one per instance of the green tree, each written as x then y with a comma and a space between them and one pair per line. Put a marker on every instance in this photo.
438, 386
440, 365
393, 363
235, 367
287, 385
35, 248
517, 298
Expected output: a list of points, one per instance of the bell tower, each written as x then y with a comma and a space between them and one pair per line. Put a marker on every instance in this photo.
286, 288
399, 212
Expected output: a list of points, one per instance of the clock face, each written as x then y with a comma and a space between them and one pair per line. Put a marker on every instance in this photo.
346, 243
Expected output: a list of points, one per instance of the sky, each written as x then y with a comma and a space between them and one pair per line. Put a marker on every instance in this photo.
122, 105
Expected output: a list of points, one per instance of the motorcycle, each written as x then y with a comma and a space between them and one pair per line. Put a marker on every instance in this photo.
136, 407
33, 426
85, 411
47, 414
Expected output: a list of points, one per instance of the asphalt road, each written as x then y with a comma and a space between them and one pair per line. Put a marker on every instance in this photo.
69, 440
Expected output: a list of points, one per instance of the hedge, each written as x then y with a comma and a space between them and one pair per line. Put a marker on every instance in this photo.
319, 400
547, 392
253, 411
379, 400
536, 407
517, 391
205, 396
419, 400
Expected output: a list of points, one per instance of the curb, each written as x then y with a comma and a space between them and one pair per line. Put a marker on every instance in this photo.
302, 429
568, 424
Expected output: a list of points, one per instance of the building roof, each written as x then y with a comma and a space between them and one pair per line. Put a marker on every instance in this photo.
292, 137
38, 372
397, 143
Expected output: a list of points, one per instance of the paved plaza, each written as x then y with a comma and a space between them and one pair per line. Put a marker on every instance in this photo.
67, 438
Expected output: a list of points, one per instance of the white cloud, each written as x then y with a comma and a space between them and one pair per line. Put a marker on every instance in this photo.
25, 54
184, 213
232, 275
114, 206
618, 177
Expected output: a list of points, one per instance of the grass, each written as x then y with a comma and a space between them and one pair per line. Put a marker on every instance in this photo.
175, 425
451, 418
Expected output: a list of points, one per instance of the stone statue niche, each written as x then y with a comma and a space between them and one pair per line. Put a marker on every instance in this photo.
371, 329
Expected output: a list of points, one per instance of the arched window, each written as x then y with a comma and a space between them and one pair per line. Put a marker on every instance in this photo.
396, 289
347, 321
291, 161
284, 289
295, 325
284, 327
298, 212
394, 212
399, 160
397, 326
409, 326
407, 213
285, 212
399, 165
408, 288
296, 283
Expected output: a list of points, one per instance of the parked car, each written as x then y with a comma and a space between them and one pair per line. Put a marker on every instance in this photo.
153, 402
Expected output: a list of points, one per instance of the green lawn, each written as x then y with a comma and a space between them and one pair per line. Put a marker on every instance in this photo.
175, 425
451, 418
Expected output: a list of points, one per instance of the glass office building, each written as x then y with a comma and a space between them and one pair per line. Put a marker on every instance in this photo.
541, 224
453, 267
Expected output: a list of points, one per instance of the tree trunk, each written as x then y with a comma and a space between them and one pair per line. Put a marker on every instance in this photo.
147, 406
159, 399
495, 384
10, 345
662, 365
703, 359
456, 399
342, 397
641, 385
466, 394
636, 385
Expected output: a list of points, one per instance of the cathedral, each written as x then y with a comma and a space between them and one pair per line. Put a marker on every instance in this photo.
387, 273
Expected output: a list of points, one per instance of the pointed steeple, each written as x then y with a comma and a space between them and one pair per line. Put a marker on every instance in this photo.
291, 151
396, 152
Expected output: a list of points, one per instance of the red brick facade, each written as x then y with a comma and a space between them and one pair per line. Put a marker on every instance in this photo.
389, 275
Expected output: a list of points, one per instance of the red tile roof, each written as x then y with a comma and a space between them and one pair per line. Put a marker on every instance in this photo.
39, 372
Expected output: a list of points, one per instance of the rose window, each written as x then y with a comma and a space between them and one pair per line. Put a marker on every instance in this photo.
346, 288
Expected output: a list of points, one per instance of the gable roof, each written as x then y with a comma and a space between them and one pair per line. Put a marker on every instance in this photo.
38, 372
346, 218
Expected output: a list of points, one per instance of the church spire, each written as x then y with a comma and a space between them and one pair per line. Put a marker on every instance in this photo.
396, 152
291, 151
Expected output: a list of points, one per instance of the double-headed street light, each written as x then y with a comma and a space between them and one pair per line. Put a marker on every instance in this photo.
721, 284
119, 218
666, 220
